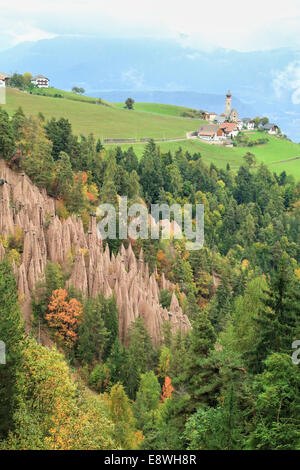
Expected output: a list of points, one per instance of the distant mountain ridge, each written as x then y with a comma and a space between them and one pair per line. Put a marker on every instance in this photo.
166, 70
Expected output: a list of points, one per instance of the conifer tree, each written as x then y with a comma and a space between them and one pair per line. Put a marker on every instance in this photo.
199, 367
64, 175
93, 335
147, 399
279, 321
12, 335
7, 141
151, 177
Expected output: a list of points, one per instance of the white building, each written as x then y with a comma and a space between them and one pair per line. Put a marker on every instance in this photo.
248, 124
40, 81
3, 79
272, 129
240, 125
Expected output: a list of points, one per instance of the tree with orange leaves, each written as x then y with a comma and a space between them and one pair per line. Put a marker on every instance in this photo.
167, 389
65, 316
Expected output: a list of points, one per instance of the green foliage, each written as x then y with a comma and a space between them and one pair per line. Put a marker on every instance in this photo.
147, 400
129, 103
53, 413
93, 335
54, 280
75, 198
12, 335
216, 428
151, 172
279, 320
60, 133
141, 356
17, 80
78, 90
165, 298
230, 372
7, 140
277, 423
37, 161
125, 433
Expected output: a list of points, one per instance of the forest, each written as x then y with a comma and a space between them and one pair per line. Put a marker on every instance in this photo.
229, 383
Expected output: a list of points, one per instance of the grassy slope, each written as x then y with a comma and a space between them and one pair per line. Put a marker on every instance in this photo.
66, 94
156, 108
274, 151
102, 121
151, 120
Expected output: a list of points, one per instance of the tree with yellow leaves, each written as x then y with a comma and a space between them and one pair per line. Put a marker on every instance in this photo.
126, 435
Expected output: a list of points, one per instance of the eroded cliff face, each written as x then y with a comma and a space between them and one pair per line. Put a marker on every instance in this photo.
94, 271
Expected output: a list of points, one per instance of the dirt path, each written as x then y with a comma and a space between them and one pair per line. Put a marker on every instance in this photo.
285, 161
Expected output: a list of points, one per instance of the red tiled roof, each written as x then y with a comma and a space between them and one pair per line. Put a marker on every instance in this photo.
4, 76
209, 133
228, 126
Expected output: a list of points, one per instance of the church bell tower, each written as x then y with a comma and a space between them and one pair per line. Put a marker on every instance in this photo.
228, 105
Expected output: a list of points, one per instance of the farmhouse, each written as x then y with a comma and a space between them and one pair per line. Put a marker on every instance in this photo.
209, 116
239, 125
230, 129
248, 124
4, 79
219, 119
271, 128
40, 81
210, 132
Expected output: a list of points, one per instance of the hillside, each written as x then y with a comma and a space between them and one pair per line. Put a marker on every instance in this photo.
279, 154
158, 108
153, 120
138, 316
102, 121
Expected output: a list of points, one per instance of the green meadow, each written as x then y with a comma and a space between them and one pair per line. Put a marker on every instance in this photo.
273, 154
157, 108
157, 121
101, 120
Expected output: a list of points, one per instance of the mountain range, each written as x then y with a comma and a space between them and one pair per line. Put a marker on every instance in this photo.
262, 83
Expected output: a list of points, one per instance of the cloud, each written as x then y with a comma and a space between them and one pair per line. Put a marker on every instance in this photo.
288, 80
238, 25
133, 77
30, 34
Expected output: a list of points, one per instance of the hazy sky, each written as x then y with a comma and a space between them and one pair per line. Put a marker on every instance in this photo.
236, 24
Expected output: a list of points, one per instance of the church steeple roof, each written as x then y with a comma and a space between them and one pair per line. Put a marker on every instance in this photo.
228, 94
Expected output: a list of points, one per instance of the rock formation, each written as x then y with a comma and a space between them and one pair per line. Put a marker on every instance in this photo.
95, 270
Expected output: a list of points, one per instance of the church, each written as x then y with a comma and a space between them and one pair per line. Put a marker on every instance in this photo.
230, 114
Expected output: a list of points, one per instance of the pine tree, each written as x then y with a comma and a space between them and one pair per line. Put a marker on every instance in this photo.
12, 335
7, 142
277, 405
108, 191
75, 199
92, 333
147, 399
17, 122
199, 367
111, 322
151, 177
279, 321
64, 175
141, 356
60, 133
